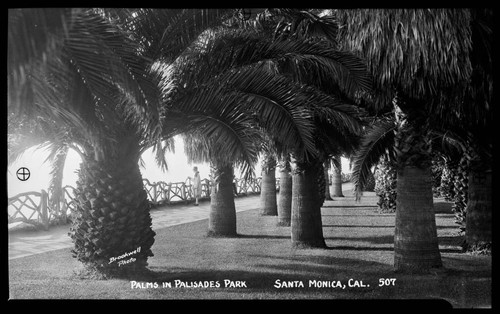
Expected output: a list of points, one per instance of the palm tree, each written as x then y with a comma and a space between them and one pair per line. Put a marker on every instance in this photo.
307, 228
80, 69
407, 50
285, 193
236, 147
472, 185
332, 139
337, 177
478, 120
268, 200
81, 85
328, 182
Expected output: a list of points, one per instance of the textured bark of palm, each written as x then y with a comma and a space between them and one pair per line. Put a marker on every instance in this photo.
307, 229
112, 218
479, 210
285, 198
415, 239
337, 183
460, 191
385, 186
268, 200
328, 196
222, 216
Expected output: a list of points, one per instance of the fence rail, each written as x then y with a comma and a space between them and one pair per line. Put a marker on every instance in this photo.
29, 207
37, 208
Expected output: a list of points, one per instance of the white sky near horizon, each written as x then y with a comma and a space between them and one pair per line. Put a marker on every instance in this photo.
178, 169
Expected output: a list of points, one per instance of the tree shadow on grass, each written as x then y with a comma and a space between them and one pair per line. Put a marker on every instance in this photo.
455, 242
329, 266
263, 275
358, 226
363, 215
349, 206
360, 248
386, 239
442, 207
262, 236
448, 227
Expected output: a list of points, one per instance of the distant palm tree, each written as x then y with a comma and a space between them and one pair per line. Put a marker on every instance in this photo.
268, 199
328, 182
285, 192
337, 177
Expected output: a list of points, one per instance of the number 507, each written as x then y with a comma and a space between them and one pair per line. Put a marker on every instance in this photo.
386, 282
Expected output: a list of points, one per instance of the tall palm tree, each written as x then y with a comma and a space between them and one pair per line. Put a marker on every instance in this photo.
268, 198
82, 84
328, 182
346, 84
285, 192
477, 119
229, 142
332, 138
337, 177
80, 68
420, 61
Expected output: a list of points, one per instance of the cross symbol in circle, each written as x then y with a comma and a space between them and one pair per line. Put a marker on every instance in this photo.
23, 173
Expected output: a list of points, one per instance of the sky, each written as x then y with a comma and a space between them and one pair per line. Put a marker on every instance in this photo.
33, 159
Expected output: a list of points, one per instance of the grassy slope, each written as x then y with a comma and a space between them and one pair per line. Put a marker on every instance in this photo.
360, 245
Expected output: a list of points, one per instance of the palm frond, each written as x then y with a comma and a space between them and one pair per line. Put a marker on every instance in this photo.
308, 61
34, 36
160, 149
24, 133
95, 82
275, 101
376, 142
166, 33
305, 24
58, 159
225, 139
422, 51
335, 162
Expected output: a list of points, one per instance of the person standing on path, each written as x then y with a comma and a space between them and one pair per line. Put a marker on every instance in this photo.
196, 185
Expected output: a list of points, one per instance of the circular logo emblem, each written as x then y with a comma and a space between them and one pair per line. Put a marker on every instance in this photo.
23, 173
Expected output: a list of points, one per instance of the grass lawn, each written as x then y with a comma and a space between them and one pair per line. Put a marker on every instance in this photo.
360, 249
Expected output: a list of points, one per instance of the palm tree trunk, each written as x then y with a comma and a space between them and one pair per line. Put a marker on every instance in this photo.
307, 228
460, 192
415, 240
385, 186
337, 179
111, 228
479, 210
285, 195
326, 166
55, 189
268, 202
222, 216
416, 246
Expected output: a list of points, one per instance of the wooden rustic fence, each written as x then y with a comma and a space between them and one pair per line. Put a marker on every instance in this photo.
37, 208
